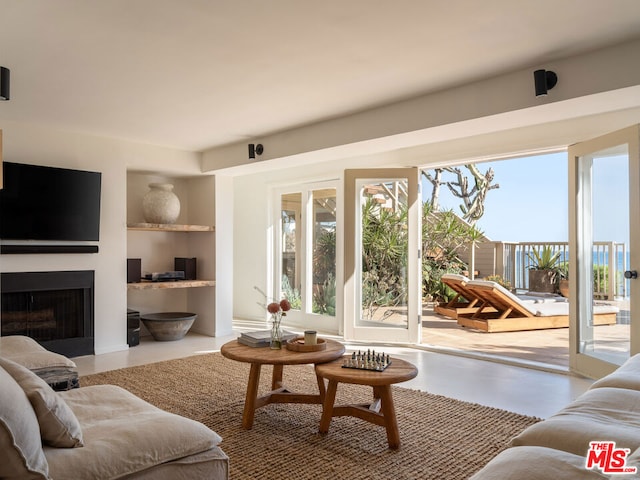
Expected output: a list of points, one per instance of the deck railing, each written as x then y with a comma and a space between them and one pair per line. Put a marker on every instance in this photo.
610, 260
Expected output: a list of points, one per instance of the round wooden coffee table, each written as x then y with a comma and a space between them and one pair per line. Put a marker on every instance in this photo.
278, 358
382, 411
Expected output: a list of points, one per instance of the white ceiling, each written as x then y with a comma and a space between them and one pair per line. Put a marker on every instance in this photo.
196, 74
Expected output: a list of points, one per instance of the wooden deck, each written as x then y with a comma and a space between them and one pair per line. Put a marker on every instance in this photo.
545, 346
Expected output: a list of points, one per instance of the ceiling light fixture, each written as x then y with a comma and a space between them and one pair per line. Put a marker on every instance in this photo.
545, 80
255, 150
4, 83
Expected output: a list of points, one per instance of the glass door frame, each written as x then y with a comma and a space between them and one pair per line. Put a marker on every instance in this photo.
352, 225
305, 318
580, 241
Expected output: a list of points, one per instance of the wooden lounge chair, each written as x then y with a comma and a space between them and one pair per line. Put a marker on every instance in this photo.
510, 314
464, 302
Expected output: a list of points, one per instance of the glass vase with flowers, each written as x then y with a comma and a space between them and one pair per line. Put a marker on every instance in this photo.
277, 311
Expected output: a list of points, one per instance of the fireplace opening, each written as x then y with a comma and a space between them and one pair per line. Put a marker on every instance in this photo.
53, 308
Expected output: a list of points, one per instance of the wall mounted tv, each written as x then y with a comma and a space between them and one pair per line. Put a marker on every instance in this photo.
47, 203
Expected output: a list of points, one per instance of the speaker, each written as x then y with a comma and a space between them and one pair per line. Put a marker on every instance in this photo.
133, 327
186, 265
133, 337
133, 319
134, 270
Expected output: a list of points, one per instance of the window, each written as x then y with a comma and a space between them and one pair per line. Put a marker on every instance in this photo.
305, 252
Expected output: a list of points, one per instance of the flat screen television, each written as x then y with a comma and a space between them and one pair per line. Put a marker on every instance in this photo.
48, 203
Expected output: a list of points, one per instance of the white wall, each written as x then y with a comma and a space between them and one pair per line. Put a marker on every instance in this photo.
112, 157
250, 234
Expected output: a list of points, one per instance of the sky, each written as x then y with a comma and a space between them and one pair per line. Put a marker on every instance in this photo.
531, 204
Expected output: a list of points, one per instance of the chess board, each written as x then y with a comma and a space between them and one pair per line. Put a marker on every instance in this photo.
375, 362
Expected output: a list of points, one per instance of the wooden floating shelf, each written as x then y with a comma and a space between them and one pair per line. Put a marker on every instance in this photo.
176, 284
161, 227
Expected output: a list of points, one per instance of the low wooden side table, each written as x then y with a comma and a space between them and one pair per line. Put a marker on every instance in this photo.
278, 358
382, 411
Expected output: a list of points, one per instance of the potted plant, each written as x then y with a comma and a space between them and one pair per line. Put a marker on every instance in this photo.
543, 270
563, 279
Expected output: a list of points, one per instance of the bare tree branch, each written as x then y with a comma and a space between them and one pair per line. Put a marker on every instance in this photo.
473, 198
436, 181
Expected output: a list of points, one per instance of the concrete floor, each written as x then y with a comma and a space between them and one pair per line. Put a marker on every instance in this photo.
517, 389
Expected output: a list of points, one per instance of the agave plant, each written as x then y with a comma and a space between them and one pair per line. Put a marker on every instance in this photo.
544, 259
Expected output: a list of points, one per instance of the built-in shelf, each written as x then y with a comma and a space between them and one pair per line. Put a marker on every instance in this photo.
160, 227
176, 284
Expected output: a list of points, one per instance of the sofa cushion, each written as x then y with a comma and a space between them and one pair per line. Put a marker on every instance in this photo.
626, 376
20, 444
536, 463
602, 414
59, 427
123, 435
55, 369
29, 353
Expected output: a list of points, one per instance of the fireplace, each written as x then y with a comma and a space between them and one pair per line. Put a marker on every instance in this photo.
54, 308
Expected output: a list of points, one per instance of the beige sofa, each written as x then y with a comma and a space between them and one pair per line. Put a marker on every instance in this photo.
97, 432
558, 446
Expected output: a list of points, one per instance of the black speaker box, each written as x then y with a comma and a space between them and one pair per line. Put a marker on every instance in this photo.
133, 337
133, 327
133, 319
186, 265
134, 270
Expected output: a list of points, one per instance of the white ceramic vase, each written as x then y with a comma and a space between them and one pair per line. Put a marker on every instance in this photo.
160, 204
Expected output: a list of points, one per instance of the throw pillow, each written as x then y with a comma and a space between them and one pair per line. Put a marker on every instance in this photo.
59, 426
20, 444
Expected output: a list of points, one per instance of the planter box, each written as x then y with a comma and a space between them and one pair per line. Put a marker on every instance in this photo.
542, 281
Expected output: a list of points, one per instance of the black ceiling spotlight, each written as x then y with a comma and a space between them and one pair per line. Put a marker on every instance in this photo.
255, 150
544, 80
4, 83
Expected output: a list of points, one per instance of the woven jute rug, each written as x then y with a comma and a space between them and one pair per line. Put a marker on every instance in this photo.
441, 438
